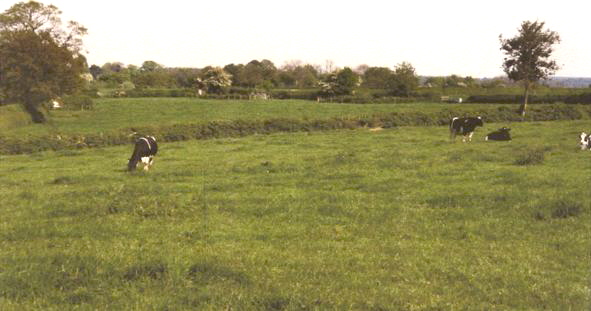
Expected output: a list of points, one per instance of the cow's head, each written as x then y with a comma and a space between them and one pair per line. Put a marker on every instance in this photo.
585, 140
479, 121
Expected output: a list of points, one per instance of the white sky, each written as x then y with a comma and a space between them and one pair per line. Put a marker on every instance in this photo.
438, 37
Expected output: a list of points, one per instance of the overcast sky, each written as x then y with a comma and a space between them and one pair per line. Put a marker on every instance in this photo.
437, 37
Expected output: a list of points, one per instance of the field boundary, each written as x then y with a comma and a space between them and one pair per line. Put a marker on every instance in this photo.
239, 128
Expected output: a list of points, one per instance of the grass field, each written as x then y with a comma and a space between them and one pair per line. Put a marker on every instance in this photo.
112, 114
398, 219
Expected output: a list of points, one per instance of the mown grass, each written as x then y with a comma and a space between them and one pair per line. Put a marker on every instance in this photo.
398, 219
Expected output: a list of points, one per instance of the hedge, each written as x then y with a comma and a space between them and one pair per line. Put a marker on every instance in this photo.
584, 98
239, 128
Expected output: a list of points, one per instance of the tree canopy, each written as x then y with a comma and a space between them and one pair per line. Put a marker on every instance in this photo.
40, 59
342, 82
528, 55
404, 80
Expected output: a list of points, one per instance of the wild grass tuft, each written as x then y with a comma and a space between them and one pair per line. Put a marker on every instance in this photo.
566, 208
532, 156
156, 270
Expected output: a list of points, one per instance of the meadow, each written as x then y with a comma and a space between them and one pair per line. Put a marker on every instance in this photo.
119, 113
112, 121
398, 219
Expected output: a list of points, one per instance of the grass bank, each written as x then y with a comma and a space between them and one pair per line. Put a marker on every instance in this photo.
182, 119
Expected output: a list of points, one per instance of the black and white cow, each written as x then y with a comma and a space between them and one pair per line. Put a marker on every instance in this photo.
144, 151
500, 134
585, 141
464, 126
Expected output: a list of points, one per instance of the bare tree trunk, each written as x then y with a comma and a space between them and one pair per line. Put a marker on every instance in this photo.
33, 111
523, 106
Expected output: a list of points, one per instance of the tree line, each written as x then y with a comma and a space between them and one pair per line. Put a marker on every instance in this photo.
258, 75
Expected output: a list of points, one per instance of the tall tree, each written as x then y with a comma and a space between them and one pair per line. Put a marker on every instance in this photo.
528, 56
40, 59
376, 77
404, 80
342, 82
150, 66
216, 80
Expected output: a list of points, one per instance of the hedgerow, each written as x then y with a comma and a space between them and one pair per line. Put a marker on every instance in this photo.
239, 128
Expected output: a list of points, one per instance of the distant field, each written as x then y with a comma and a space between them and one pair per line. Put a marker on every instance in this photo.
398, 219
111, 114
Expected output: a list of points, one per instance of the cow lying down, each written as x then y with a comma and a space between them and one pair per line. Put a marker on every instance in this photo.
144, 151
500, 134
585, 141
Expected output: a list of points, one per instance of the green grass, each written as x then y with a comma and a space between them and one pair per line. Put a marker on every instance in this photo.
398, 219
113, 114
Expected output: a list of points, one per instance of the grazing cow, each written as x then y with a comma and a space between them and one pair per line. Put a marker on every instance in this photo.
464, 126
500, 134
585, 142
144, 151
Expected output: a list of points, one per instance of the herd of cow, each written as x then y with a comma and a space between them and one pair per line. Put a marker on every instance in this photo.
146, 147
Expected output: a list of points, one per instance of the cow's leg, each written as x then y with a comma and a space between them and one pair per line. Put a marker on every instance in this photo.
146, 162
470, 136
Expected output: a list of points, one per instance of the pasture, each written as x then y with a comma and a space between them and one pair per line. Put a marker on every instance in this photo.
113, 114
398, 219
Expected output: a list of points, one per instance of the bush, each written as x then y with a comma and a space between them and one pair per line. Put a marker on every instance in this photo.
584, 98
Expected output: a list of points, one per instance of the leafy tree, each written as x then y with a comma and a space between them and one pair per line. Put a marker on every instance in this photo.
528, 56
216, 80
342, 82
113, 67
377, 77
435, 81
236, 72
151, 75
39, 58
95, 71
184, 77
306, 76
404, 81
453, 81
295, 74
151, 66
116, 73
259, 74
